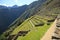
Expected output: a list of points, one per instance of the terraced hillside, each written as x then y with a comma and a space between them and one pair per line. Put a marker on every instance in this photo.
31, 29
35, 22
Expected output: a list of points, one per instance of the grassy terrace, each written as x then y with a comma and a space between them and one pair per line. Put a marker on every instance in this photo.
36, 32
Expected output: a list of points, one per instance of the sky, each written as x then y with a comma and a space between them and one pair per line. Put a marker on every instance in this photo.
15, 2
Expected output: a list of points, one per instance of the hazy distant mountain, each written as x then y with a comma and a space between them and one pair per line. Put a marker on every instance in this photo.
9, 14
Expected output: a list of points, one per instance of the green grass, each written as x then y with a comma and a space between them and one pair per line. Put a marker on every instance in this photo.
36, 33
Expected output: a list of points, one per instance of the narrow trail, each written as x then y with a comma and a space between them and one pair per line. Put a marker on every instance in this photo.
50, 32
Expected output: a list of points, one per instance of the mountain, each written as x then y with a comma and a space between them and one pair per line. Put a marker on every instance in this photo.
34, 22
9, 14
32, 9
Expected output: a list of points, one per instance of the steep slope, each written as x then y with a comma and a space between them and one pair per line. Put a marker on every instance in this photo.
33, 26
32, 9
46, 13
13, 12
9, 14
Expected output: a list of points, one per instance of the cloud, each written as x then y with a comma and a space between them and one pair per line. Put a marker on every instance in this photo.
5, 5
16, 1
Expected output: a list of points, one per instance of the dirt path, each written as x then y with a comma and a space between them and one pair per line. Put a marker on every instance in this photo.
50, 32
